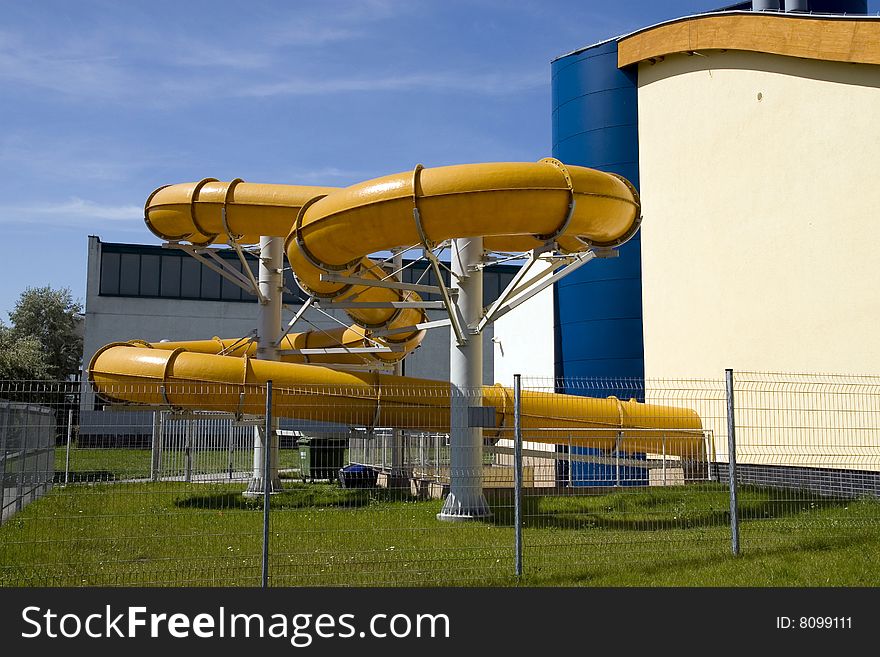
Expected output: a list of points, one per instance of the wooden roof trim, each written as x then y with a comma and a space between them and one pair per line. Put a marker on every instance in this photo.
828, 38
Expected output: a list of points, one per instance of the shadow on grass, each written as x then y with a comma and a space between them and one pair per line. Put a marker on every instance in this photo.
295, 496
677, 508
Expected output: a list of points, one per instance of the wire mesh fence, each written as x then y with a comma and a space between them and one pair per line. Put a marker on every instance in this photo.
810, 446
379, 484
631, 495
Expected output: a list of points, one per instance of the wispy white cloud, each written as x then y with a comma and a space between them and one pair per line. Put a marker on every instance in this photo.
74, 68
194, 54
302, 32
139, 63
62, 161
331, 22
72, 211
82, 70
267, 59
492, 84
83, 160
328, 175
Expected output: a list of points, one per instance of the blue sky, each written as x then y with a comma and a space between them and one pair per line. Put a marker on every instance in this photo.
102, 101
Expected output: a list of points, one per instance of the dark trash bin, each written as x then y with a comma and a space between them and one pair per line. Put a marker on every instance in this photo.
358, 476
321, 458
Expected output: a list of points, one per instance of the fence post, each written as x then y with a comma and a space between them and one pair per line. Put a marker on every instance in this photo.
664, 461
731, 463
617, 444
4, 444
154, 454
4, 426
267, 488
229, 438
187, 450
67, 454
517, 474
21, 478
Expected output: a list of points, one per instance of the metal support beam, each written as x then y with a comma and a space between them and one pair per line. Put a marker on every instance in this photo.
509, 290
579, 262
233, 242
452, 308
222, 264
299, 313
217, 264
382, 304
341, 323
366, 367
423, 326
390, 284
317, 351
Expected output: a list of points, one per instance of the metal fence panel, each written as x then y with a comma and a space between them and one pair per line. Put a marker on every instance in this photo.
811, 444
26, 444
612, 492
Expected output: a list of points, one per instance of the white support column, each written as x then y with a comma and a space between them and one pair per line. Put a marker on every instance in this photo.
465, 500
271, 284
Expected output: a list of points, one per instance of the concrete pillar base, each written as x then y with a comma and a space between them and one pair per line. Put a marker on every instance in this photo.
462, 509
255, 487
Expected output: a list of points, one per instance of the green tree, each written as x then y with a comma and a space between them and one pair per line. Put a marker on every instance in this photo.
48, 319
21, 358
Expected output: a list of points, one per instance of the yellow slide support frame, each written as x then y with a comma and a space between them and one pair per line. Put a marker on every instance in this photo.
513, 206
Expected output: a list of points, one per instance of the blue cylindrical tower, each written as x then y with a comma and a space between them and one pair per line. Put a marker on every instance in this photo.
599, 307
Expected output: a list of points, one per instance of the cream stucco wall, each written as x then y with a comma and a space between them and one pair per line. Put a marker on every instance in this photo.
761, 242
761, 236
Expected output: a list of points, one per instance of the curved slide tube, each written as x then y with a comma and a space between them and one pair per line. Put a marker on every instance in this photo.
513, 206
211, 212
140, 374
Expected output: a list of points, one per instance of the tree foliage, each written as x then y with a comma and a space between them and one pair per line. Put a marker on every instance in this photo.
44, 341
21, 358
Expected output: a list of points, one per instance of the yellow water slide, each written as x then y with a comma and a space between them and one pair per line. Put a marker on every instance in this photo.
513, 206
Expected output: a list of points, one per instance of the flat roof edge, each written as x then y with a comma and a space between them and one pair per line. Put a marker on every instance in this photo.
672, 21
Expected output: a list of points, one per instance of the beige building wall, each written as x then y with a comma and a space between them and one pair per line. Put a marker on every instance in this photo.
761, 238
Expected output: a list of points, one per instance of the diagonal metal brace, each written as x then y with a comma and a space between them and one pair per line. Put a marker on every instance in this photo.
212, 261
233, 242
299, 313
527, 293
451, 308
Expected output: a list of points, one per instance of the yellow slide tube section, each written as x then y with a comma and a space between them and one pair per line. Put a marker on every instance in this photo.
349, 338
213, 212
513, 206
131, 373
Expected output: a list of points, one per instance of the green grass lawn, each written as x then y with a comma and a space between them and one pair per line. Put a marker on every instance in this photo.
172, 533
